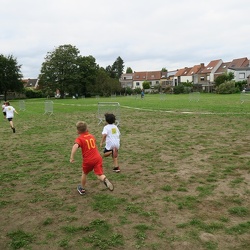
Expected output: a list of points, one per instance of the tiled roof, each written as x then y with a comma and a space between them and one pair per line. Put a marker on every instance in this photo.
239, 63
210, 66
194, 70
147, 76
223, 68
183, 72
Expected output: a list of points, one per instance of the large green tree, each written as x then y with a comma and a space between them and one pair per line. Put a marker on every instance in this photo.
116, 70
60, 70
10, 75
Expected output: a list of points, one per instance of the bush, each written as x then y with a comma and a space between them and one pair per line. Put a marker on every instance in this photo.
179, 89
30, 93
227, 88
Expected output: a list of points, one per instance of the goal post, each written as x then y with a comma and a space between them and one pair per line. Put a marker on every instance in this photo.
244, 96
108, 107
194, 96
48, 107
22, 105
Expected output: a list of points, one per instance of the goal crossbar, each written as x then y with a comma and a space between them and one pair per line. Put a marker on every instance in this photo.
108, 107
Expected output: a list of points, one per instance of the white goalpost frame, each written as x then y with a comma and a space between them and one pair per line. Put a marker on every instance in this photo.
108, 107
22, 105
194, 96
244, 97
48, 107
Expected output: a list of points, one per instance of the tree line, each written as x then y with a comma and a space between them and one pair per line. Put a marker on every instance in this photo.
66, 71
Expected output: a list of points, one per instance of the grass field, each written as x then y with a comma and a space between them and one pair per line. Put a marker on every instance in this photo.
184, 180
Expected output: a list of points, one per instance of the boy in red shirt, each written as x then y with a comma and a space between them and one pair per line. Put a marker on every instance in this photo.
91, 158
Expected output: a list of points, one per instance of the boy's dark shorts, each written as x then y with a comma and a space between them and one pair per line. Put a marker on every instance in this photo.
10, 119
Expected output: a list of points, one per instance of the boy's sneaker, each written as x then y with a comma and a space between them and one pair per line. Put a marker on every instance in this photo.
115, 152
14, 130
81, 190
116, 169
108, 184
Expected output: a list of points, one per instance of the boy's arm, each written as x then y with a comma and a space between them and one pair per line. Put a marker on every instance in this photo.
103, 139
73, 151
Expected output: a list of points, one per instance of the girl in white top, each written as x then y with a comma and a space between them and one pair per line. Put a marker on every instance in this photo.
111, 136
10, 114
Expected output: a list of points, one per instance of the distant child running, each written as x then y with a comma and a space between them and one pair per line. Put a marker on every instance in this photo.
111, 136
91, 158
10, 115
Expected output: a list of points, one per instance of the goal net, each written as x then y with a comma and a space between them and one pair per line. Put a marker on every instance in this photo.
22, 105
108, 107
244, 97
48, 107
194, 96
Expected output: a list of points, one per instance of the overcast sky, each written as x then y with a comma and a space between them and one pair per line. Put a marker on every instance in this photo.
147, 35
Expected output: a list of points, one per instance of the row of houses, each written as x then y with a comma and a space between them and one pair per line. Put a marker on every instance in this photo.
197, 74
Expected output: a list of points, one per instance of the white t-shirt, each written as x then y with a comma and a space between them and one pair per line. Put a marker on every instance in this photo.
113, 136
9, 111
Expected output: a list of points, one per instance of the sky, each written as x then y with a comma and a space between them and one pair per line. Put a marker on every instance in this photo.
147, 35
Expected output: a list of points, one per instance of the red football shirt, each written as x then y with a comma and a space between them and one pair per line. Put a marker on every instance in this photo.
90, 152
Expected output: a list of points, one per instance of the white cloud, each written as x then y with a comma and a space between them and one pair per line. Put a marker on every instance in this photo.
146, 35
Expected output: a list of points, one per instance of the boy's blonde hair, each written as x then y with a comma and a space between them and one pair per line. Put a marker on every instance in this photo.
81, 126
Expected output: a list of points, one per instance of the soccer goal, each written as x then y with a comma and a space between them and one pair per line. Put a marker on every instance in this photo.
194, 96
244, 97
108, 107
48, 107
22, 105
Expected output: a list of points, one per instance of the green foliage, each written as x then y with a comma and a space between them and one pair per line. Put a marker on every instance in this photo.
227, 88
178, 89
224, 78
116, 70
129, 70
10, 75
30, 93
146, 85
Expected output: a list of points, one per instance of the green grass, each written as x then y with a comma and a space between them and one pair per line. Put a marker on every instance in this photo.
183, 183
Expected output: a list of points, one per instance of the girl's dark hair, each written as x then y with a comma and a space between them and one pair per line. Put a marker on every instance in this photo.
110, 118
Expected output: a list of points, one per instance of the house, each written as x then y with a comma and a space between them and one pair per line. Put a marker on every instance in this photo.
126, 80
153, 77
167, 78
222, 69
30, 83
180, 75
205, 76
240, 68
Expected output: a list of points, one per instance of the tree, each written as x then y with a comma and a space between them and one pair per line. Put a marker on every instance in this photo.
10, 75
129, 70
116, 70
146, 85
164, 70
224, 78
60, 69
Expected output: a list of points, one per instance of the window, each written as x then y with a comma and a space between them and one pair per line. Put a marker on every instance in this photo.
137, 84
202, 78
241, 75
